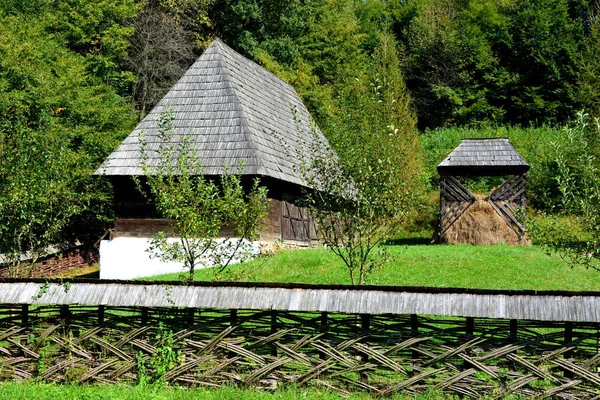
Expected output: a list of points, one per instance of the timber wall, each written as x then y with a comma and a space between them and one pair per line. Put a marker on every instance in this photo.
107, 332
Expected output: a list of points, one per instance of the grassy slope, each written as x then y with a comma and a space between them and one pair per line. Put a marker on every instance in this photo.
491, 267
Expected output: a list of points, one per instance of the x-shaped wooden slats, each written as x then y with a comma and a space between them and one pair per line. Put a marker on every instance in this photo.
507, 199
455, 199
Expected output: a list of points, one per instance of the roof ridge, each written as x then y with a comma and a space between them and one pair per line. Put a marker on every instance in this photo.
229, 48
246, 129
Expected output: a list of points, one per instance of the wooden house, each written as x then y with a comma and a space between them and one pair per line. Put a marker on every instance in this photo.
234, 111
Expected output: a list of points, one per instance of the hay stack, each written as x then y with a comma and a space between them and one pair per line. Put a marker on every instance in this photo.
481, 225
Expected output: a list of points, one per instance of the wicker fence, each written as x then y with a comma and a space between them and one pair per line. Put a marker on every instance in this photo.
377, 353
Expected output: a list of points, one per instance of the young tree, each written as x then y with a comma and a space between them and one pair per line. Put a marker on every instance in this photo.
577, 181
199, 208
362, 193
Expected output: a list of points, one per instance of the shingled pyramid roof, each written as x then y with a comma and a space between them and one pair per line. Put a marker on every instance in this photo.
483, 157
234, 110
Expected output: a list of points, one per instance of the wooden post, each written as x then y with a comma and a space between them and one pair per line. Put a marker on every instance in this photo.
144, 315
24, 314
365, 324
322, 355
191, 314
233, 321
273, 330
514, 327
101, 310
414, 330
233, 317
64, 311
470, 328
568, 339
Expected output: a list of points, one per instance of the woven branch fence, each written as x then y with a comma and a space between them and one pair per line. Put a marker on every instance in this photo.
380, 354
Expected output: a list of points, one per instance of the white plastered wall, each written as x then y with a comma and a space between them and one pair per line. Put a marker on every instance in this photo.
128, 258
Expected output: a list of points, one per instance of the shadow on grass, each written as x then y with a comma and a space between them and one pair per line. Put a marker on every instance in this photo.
409, 241
91, 275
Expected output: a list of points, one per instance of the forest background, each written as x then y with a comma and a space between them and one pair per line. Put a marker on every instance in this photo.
77, 75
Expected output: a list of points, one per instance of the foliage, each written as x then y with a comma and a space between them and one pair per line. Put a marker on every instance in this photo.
151, 370
56, 123
589, 80
363, 192
96, 30
199, 207
577, 181
489, 61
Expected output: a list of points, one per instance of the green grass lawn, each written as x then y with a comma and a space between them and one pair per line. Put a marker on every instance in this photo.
490, 267
28, 391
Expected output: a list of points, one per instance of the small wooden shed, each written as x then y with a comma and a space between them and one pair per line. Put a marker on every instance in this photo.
482, 157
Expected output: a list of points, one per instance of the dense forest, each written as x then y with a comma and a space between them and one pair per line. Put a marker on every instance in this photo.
76, 76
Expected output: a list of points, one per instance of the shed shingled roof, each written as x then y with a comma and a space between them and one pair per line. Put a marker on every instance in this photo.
483, 157
235, 110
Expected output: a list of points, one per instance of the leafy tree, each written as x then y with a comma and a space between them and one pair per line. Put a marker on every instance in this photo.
37, 200
589, 80
577, 181
488, 61
199, 207
57, 123
364, 191
97, 31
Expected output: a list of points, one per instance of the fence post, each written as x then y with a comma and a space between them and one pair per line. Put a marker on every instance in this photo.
64, 311
233, 317
470, 330
273, 330
322, 355
24, 314
191, 314
144, 315
514, 327
568, 339
101, 314
414, 330
365, 324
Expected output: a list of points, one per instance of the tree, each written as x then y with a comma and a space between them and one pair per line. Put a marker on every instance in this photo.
57, 122
38, 175
589, 80
578, 168
487, 61
160, 51
199, 208
365, 190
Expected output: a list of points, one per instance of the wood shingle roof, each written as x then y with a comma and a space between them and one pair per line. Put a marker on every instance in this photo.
483, 157
235, 110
